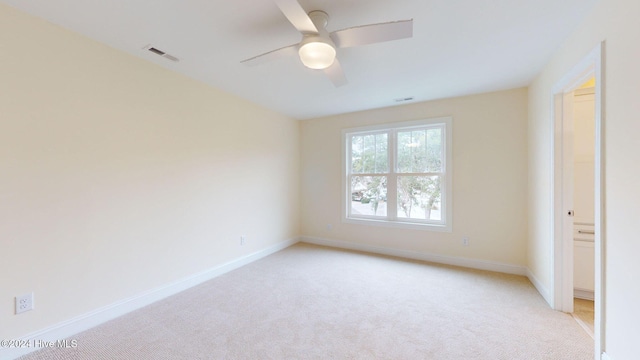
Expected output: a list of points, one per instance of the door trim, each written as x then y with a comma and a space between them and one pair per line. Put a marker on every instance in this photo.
562, 266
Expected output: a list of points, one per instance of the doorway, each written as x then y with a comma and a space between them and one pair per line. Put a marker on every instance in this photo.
564, 211
584, 205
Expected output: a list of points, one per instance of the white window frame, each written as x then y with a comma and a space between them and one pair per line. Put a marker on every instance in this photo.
392, 220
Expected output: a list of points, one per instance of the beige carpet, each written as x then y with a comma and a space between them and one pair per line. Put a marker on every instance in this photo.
310, 302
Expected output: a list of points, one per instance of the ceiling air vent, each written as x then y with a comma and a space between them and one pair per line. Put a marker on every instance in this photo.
161, 53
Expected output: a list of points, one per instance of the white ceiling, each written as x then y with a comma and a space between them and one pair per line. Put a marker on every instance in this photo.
459, 47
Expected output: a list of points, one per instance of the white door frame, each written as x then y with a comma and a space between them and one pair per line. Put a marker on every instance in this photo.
590, 66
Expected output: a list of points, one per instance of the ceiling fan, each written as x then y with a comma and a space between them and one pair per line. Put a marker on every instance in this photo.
317, 50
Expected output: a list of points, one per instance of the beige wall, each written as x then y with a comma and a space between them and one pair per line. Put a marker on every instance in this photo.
615, 21
111, 166
489, 178
117, 176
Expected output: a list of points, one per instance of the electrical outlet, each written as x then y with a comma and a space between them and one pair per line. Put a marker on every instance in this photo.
465, 241
242, 240
24, 303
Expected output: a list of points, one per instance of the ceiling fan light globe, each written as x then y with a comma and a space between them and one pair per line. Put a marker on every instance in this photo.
317, 55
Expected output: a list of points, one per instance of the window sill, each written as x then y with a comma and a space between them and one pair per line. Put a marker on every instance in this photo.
398, 224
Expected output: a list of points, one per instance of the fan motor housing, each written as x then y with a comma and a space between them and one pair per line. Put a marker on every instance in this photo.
319, 18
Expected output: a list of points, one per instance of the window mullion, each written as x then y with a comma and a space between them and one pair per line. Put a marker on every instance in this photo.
423, 174
349, 171
392, 179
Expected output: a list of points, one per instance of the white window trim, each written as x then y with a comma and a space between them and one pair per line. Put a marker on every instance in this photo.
447, 202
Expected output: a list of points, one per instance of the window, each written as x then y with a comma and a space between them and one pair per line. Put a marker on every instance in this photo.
399, 174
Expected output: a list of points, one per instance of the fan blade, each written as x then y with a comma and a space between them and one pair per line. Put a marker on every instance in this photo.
335, 74
272, 55
297, 16
374, 33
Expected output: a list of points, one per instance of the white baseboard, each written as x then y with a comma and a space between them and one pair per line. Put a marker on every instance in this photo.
440, 259
448, 260
546, 294
583, 294
94, 318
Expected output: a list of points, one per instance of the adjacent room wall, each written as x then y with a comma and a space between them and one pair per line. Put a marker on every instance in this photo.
616, 22
118, 176
489, 179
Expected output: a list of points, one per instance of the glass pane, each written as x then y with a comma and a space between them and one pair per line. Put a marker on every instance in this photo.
412, 151
356, 154
404, 151
420, 151
434, 150
369, 154
382, 154
369, 195
419, 197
